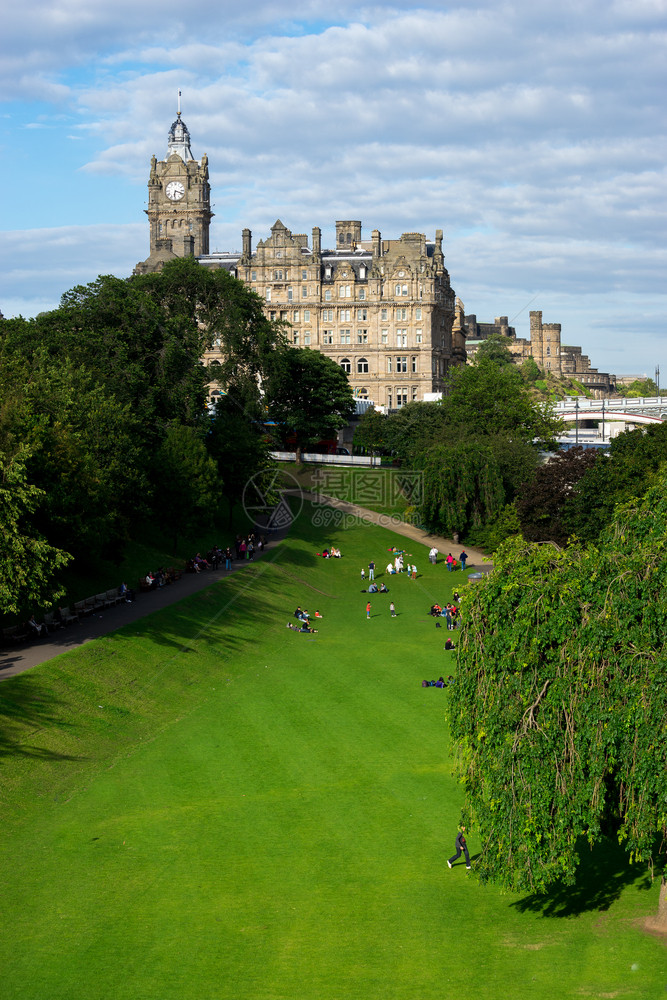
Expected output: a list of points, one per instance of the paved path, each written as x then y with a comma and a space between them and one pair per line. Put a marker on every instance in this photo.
16, 659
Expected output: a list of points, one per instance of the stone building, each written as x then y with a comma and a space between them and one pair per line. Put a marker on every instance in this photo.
383, 309
544, 346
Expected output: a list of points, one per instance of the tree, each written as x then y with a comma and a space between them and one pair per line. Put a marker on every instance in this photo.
641, 387
370, 431
491, 399
28, 564
558, 712
237, 442
541, 502
628, 470
308, 395
462, 487
495, 348
186, 481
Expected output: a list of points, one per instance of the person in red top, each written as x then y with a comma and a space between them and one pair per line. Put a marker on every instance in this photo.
461, 847
368, 610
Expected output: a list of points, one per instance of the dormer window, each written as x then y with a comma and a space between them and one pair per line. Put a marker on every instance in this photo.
362, 272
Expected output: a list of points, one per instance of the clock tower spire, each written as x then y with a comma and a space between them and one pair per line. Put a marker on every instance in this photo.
179, 201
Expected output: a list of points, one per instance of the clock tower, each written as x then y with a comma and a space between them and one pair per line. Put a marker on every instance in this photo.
179, 201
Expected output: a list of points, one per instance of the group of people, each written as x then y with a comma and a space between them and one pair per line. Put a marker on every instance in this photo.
330, 553
303, 618
243, 548
450, 612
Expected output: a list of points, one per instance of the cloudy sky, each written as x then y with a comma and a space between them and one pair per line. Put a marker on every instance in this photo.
532, 133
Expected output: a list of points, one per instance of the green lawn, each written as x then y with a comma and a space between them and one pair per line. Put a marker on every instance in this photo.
208, 806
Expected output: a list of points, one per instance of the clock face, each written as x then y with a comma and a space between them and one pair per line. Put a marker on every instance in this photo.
175, 190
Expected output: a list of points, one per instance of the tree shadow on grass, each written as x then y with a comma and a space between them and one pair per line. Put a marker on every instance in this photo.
602, 876
26, 706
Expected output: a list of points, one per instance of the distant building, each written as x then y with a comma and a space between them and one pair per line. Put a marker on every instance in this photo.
544, 347
382, 309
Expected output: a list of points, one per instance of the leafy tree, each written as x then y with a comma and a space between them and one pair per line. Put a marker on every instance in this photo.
237, 442
541, 502
28, 564
626, 471
495, 348
370, 431
530, 371
187, 486
641, 387
308, 395
414, 429
491, 399
462, 487
559, 708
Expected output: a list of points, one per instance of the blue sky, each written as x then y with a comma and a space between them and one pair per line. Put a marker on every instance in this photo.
533, 134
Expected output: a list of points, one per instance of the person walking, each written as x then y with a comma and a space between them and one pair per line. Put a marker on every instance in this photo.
368, 610
414, 572
462, 558
450, 562
392, 609
371, 571
461, 847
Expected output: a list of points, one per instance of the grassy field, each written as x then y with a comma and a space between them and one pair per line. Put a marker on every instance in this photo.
209, 806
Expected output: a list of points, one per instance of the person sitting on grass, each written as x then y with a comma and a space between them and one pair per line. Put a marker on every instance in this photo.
301, 615
372, 588
449, 645
383, 589
304, 627
390, 569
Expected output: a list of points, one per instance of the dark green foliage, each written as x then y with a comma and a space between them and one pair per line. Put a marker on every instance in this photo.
236, 440
627, 471
530, 371
561, 698
462, 487
495, 348
370, 431
186, 482
28, 565
308, 395
541, 501
491, 399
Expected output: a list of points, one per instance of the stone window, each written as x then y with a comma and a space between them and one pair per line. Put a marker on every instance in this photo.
268, 295
306, 315
290, 294
418, 336
418, 312
346, 366
304, 292
328, 314
253, 275
295, 337
327, 336
362, 294
384, 337
277, 275
401, 338
345, 337
344, 315
304, 275
362, 313
389, 369
384, 314
402, 314
414, 365
295, 316
327, 295
306, 337
401, 364
362, 336
401, 397
362, 366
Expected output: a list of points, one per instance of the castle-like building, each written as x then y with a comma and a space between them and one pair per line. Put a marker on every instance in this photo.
544, 347
382, 309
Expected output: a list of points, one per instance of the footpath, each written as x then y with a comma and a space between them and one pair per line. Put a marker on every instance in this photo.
16, 659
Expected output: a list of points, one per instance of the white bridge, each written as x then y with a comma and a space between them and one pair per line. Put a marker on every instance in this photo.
631, 412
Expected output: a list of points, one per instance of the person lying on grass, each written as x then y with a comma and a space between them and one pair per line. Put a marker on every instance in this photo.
304, 628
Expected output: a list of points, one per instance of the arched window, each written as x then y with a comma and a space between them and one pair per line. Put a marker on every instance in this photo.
346, 366
362, 366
